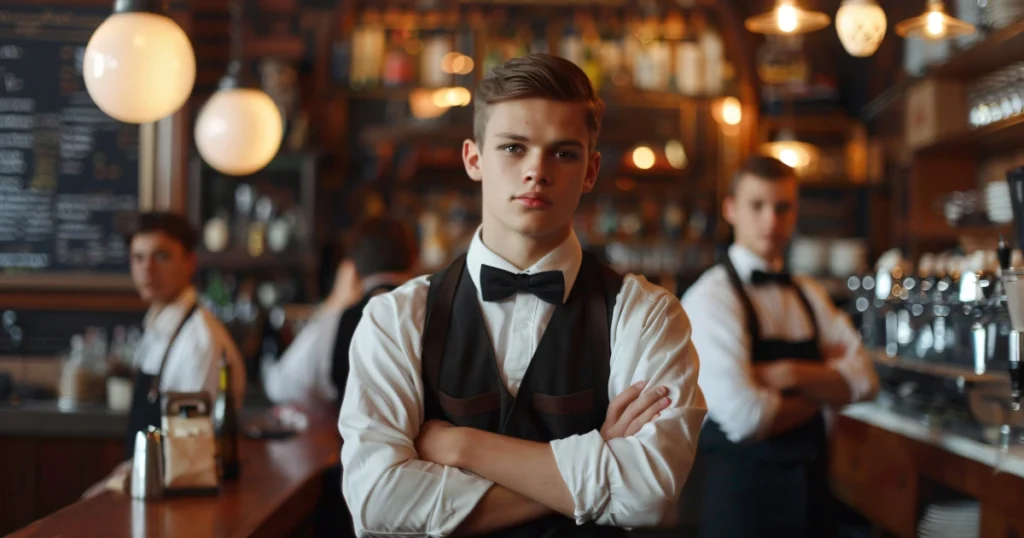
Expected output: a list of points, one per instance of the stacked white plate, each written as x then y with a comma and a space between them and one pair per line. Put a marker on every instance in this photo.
997, 201
951, 519
1002, 13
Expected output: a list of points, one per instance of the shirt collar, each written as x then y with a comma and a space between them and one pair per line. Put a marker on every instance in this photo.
166, 319
566, 257
746, 262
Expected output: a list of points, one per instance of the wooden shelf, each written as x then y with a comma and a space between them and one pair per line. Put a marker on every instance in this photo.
993, 138
1003, 47
237, 260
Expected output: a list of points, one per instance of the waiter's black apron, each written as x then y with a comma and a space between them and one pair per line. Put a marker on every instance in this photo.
774, 488
564, 391
145, 410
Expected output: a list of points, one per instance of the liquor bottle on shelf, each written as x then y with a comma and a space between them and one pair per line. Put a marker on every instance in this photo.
714, 56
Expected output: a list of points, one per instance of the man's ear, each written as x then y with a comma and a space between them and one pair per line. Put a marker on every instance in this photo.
471, 159
729, 210
593, 169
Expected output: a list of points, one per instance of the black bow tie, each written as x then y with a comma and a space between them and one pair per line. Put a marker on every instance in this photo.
497, 284
760, 278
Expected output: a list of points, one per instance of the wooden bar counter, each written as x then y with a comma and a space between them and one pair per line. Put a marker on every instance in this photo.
280, 484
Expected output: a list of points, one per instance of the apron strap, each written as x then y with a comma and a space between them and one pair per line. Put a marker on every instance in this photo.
154, 386
441, 297
753, 326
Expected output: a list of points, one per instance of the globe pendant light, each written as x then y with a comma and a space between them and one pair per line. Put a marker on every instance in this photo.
139, 65
239, 130
934, 24
787, 19
861, 26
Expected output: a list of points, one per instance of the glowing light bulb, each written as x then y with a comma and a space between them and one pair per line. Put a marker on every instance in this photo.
643, 157
936, 24
786, 16
789, 156
732, 112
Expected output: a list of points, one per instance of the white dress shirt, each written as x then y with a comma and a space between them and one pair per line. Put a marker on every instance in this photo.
193, 364
742, 407
303, 373
627, 482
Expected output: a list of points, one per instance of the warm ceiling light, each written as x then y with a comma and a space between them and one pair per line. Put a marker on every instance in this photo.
239, 129
800, 156
861, 26
675, 154
787, 19
451, 97
727, 111
139, 66
643, 157
422, 105
934, 24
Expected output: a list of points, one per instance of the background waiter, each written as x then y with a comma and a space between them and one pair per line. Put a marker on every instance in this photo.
183, 343
774, 353
380, 256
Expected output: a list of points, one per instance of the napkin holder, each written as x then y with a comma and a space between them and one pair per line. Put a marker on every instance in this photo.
190, 464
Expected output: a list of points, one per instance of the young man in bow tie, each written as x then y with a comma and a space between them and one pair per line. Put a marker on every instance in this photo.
505, 396
776, 353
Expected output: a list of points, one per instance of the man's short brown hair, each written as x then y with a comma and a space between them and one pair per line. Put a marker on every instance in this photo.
542, 76
762, 167
176, 226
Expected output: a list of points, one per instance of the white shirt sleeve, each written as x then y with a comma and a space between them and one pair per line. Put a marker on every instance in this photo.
303, 373
742, 408
388, 490
842, 344
636, 481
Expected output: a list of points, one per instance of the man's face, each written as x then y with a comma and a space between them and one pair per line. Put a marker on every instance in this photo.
763, 214
161, 267
534, 164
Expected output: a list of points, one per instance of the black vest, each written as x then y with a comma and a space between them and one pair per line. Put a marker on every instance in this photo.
564, 391
347, 324
772, 488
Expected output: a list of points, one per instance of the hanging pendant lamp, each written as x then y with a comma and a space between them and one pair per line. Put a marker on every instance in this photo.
239, 130
787, 19
139, 65
934, 24
860, 25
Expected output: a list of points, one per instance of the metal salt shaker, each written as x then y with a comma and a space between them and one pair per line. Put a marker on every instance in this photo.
148, 465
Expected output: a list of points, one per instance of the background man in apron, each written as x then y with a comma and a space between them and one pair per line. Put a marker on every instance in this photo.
182, 343
775, 353
488, 398
379, 257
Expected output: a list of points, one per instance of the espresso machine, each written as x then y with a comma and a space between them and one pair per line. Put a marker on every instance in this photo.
1013, 286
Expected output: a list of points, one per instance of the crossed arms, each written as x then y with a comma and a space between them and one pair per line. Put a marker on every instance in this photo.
747, 400
404, 477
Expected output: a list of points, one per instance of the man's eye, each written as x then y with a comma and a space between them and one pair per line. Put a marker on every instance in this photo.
566, 155
512, 148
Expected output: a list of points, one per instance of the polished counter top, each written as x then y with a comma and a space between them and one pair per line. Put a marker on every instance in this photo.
280, 484
47, 419
1006, 460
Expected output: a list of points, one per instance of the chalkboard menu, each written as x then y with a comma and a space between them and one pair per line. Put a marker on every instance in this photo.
69, 174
